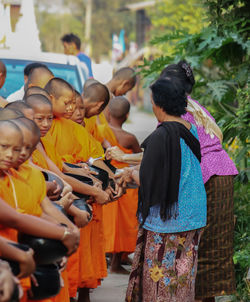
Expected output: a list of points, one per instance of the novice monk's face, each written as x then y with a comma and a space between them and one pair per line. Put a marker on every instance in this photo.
79, 112
64, 106
11, 142
122, 88
29, 144
93, 108
43, 117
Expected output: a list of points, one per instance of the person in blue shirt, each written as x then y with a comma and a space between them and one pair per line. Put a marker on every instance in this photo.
172, 203
72, 46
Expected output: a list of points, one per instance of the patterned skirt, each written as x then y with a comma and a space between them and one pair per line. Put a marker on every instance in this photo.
164, 267
215, 276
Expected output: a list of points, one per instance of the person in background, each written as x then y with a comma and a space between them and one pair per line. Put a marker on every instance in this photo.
72, 46
19, 94
215, 276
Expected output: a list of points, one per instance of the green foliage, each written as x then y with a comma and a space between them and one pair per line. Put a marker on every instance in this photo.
219, 55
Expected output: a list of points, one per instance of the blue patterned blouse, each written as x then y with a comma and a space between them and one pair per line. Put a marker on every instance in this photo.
192, 203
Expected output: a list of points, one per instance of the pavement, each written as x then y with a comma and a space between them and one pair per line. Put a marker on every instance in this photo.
140, 123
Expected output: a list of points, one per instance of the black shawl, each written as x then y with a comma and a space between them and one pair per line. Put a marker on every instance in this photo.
161, 167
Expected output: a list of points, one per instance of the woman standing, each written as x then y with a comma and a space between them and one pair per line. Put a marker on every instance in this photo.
172, 204
215, 276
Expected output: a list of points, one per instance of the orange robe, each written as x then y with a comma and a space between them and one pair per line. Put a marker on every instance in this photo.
74, 144
120, 221
27, 199
39, 159
35, 178
92, 128
72, 141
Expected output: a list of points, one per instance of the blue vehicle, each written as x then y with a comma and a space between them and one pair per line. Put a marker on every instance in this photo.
67, 67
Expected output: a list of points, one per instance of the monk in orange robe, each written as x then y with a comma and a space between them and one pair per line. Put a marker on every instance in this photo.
15, 182
75, 144
120, 216
43, 116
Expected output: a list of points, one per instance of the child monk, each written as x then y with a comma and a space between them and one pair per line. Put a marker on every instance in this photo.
22, 107
43, 111
95, 98
92, 266
19, 182
35, 90
122, 233
39, 77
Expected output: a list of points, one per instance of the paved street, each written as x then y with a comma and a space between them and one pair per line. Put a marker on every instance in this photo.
140, 123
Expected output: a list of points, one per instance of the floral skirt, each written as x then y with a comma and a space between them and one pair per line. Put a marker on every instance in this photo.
164, 267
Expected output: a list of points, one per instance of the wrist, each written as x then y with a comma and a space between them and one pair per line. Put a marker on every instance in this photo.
66, 233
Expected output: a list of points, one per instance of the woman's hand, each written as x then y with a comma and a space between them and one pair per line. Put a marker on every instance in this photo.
124, 177
114, 153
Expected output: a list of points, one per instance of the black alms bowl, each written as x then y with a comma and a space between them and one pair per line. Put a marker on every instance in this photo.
51, 177
46, 251
82, 205
48, 279
14, 265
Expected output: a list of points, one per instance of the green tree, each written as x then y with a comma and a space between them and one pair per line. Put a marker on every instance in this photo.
219, 54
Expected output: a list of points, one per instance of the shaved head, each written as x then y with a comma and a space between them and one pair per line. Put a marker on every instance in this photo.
119, 107
35, 90
56, 86
97, 92
18, 105
9, 114
126, 74
28, 124
37, 100
9, 124
22, 107
39, 77
89, 82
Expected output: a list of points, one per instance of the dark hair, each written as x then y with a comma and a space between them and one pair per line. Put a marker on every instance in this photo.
170, 96
71, 38
28, 68
183, 72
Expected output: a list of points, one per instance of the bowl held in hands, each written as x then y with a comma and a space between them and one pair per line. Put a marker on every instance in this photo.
51, 177
83, 179
14, 265
82, 205
102, 175
46, 251
48, 279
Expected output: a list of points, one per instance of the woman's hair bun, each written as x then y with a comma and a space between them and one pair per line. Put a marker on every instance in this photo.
188, 70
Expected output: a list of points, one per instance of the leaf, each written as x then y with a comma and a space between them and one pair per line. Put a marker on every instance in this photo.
218, 89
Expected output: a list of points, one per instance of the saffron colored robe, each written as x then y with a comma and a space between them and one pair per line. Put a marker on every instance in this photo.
74, 144
119, 217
